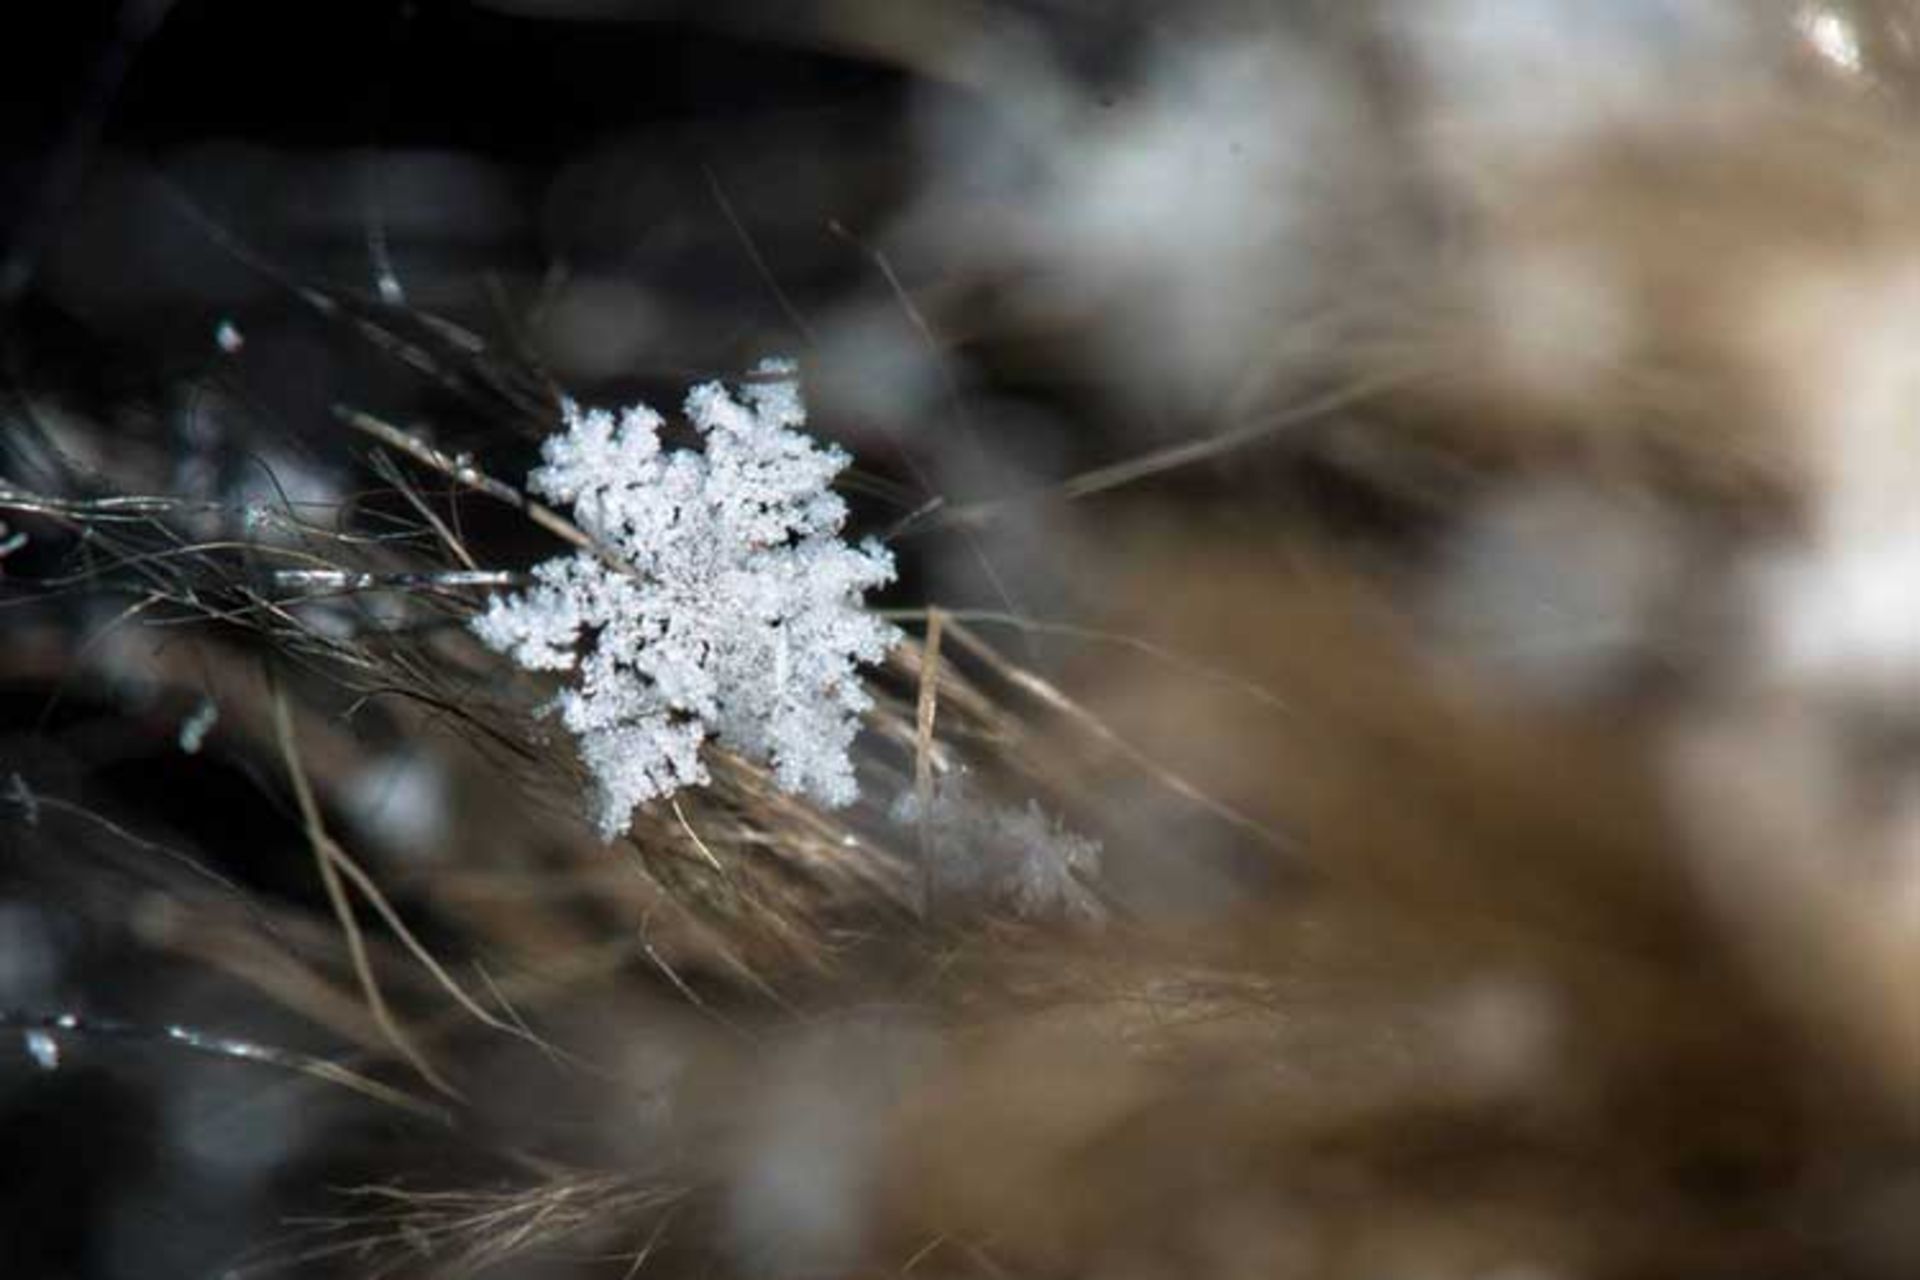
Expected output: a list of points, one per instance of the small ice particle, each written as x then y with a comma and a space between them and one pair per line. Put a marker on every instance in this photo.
195, 728
43, 1049
21, 795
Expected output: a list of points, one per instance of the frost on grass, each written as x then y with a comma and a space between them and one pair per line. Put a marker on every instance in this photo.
988, 854
734, 611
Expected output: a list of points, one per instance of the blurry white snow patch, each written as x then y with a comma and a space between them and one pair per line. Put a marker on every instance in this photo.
228, 1140
982, 853
806, 1169
43, 1049
198, 724
402, 801
1187, 217
1832, 35
1548, 71
1842, 606
1556, 591
1847, 613
872, 364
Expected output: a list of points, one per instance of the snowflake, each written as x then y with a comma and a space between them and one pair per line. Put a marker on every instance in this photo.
725, 604
987, 854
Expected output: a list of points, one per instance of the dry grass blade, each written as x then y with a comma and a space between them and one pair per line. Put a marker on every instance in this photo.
926, 708
327, 858
228, 1047
345, 865
464, 472
1057, 700
464, 1232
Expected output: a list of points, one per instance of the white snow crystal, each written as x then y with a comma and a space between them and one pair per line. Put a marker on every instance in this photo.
980, 852
734, 611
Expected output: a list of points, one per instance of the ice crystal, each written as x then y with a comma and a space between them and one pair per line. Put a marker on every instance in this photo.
981, 852
723, 604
